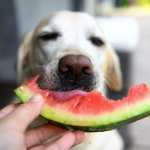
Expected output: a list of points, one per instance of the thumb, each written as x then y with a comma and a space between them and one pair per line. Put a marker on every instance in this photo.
24, 114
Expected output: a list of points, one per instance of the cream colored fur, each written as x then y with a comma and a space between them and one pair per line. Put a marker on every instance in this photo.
36, 56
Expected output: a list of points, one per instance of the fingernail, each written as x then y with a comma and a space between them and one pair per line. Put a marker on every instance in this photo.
36, 98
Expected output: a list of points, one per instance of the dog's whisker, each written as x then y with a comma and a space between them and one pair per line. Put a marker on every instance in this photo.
46, 83
33, 68
46, 62
106, 81
106, 91
41, 85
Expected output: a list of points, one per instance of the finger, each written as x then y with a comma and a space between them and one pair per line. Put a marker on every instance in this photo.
24, 114
8, 109
63, 143
79, 137
42, 133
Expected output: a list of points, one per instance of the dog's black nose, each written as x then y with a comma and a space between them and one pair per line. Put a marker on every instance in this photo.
75, 67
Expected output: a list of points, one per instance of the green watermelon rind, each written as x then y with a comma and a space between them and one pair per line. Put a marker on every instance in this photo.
92, 123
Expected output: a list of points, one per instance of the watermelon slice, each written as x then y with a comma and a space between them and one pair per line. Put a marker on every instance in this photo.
89, 111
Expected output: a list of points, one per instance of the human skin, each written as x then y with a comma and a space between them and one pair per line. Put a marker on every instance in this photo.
14, 120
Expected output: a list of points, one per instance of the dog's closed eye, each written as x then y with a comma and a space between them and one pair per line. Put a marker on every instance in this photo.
49, 36
97, 41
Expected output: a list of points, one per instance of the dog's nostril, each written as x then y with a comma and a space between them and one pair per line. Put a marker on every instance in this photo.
87, 70
75, 67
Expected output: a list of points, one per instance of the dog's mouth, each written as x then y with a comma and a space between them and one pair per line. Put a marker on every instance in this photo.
64, 95
74, 75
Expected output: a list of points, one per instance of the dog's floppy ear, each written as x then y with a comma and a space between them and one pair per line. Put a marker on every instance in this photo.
23, 52
113, 72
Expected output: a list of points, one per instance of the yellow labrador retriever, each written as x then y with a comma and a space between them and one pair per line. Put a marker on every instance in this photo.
70, 52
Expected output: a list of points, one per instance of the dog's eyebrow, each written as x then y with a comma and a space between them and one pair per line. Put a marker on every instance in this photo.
101, 37
95, 32
47, 29
43, 32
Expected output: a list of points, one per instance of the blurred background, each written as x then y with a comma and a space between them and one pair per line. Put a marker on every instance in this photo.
126, 24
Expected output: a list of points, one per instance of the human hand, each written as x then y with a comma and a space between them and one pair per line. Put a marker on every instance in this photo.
14, 120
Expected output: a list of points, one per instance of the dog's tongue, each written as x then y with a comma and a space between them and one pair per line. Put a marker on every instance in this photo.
66, 94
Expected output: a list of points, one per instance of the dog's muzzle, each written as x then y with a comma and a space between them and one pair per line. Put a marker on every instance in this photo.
75, 72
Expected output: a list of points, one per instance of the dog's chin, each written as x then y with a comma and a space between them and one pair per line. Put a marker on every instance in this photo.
64, 95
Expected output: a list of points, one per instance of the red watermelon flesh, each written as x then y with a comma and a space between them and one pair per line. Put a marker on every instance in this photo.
89, 111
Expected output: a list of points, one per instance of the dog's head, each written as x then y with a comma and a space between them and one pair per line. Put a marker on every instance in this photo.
70, 51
